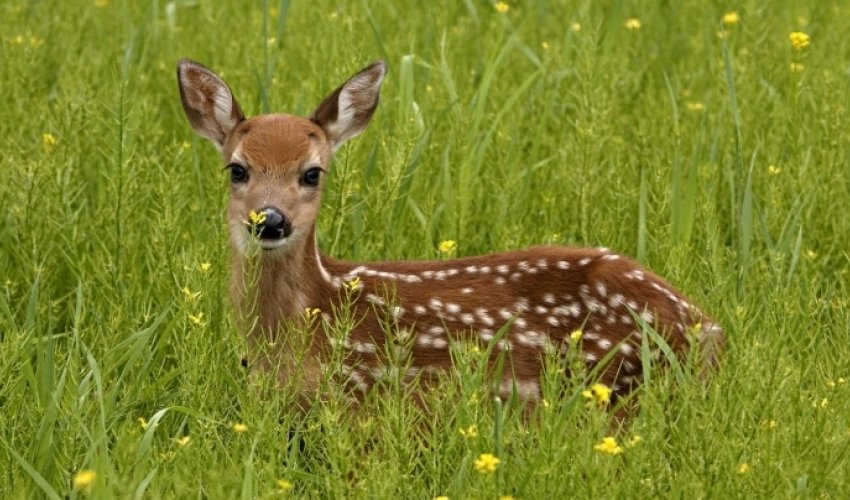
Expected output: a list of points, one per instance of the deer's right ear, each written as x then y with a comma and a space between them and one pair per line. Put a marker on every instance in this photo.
210, 106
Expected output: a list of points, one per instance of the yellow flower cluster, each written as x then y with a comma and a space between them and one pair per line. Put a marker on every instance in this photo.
598, 393
799, 40
447, 246
353, 284
609, 446
470, 432
633, 23
502, 7
486, 463
83, 479
731, 18
256, 218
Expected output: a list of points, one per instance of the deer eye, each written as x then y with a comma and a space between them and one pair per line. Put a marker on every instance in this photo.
311, 177
238, 173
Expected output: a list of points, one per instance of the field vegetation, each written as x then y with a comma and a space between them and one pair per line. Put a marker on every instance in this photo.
707, 139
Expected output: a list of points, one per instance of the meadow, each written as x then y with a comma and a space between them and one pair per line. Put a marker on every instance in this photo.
702, 138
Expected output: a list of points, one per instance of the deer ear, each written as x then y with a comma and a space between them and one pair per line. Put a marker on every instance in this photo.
346, 112
210, 106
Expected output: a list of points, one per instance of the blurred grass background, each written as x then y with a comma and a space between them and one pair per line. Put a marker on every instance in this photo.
714, 152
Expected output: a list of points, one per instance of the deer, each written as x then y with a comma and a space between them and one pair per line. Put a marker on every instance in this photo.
521, 304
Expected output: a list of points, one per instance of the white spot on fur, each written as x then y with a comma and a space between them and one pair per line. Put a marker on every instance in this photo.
420, 310
471, 269
396, 311
435, 304
467, 318
585, 261
552, 320
600, 289
502, 269
516, 276
604, 344
499, 280
466, 290
452, 308
616, 300
374, 299
562, 264
525, 390
549, 298
364, 347
485, 269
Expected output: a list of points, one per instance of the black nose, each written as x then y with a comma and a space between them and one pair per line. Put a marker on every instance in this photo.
275, 225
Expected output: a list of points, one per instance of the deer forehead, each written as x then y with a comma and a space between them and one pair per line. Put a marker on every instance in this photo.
278, 142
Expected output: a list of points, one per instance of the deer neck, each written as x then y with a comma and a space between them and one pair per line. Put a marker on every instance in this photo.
270, 291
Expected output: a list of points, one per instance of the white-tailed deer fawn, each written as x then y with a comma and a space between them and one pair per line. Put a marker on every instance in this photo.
525, 301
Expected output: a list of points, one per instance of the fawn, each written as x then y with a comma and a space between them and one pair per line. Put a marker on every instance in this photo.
524, 302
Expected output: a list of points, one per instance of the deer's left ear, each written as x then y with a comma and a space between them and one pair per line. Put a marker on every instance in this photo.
347, 111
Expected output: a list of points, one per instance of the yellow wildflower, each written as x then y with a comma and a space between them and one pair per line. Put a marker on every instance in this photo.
598, 393
506, 497
256, 218
84, 479
101, 3
441, 497
189, 293
769, 424
18, 39
183, 441
731, 18
695, 106
284, 485
609, 445
311, 313
143, 423
48, 139
575, 27
205, 266
502, 7
470, 432
799, 40
842, 380
486, 463
353, 284
743, 468
796, 67
633, 23
544, 45
447, 246
197, 319
575, 336
186, 145
773, 169
239, 428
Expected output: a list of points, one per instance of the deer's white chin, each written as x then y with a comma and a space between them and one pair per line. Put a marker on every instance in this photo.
246, 244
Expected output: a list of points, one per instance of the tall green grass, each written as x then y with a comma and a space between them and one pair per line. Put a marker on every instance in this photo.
691, 145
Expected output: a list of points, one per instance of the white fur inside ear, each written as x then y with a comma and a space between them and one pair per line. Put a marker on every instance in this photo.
359, 93
223, 106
